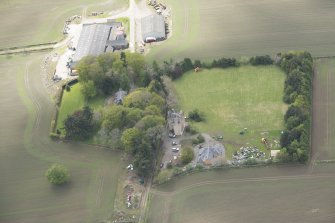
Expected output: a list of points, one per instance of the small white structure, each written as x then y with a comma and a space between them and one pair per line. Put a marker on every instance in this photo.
274, 153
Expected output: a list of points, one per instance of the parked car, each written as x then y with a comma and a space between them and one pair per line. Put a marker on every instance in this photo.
175, 149
174, 143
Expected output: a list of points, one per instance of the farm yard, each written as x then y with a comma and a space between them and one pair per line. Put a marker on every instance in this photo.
26, 195
28, 22
282, 194
234, 99
323, 136
215, 28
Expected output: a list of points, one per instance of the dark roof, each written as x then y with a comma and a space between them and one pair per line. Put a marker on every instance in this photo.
153, 26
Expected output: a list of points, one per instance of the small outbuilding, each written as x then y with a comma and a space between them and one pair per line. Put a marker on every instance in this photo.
153, 28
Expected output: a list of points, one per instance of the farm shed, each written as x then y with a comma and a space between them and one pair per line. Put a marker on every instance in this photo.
98, 38
210, 152
153, 28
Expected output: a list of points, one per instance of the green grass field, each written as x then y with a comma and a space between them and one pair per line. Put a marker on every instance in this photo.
73, 101
216, 28
255, 195
25, 22
233, 99
26, 152
323, 136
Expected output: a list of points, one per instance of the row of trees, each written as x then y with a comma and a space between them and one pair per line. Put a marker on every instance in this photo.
295, 140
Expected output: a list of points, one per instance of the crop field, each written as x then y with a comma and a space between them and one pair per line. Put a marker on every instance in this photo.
233, 99
323, 137
26, 152
216, 28
25, 22
73, 101
282, 194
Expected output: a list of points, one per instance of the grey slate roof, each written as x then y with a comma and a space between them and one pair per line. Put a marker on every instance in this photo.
153, 26
119, 96
210, 152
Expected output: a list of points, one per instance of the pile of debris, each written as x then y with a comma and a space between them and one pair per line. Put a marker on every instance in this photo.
246, 153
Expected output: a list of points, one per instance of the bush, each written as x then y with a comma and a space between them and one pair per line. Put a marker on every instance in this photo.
187, 155
196, 115
57, 174
261, 60
79, 125
198, 140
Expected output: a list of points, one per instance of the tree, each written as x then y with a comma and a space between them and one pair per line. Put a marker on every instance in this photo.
187, 155
57, 174
196, 115
88, 89
150, 121
131, 139
79, 125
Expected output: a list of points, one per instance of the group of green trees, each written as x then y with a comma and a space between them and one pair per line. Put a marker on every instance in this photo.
140, 122
107, 73
295, 139
137, 124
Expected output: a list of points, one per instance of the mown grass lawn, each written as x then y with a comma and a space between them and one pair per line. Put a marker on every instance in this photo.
233, 99
74, 100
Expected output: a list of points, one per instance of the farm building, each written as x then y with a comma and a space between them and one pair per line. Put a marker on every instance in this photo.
210, 153
98, 38
153, 28
176, 122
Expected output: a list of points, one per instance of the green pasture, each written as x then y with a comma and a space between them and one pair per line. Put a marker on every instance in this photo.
233, 99
216, 28
74, 100
25, 22
26, 152
246, 195
323, 133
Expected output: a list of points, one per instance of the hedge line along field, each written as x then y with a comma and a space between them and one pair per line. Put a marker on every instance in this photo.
255, 195
233, 99
215, 28
323, 135
26, 152
25, 22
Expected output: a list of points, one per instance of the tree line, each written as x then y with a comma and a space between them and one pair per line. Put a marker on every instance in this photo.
295, 139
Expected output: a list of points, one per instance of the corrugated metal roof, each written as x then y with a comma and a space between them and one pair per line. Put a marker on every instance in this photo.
92, 40
153, 26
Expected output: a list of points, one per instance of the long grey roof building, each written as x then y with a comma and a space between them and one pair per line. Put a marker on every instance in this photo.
98, 38
153, 26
